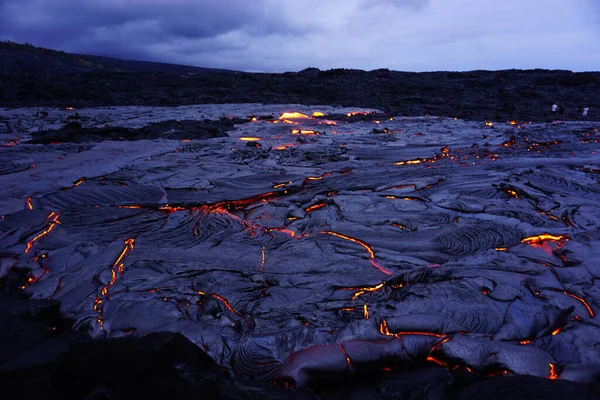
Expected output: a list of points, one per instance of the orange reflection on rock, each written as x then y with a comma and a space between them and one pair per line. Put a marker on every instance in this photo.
363, 244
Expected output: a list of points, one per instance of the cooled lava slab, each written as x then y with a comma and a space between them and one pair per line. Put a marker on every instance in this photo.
302, 249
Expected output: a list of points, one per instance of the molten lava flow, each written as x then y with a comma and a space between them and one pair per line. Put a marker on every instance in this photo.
351, 114
284, 146
304, 132
544, 237
556, 331
52, 219
249, 139
488, 123
29, 203
280, 185
553, 374
69, 108
318, 114
315, 207
587, 306
363, 244
524, 342
171, 209
318, 178
288, 232
500, 248
226, 304
293, 115
436, 361
385, 330
346, 355
78, 182
363, 290
509, 143
117, 266
365, 311
513, 122
130, 207
408, 162
512, 193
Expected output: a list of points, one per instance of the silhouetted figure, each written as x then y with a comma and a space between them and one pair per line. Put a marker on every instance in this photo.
561, 110
585, 111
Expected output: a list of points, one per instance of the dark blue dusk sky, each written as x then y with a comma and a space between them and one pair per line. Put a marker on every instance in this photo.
290, 35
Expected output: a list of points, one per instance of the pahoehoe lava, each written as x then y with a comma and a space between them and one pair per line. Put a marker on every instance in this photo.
430, 255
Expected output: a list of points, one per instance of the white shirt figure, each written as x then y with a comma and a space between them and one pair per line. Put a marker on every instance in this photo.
585, 111
554, 107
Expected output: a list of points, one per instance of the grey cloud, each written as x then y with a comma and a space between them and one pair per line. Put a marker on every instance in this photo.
73, 24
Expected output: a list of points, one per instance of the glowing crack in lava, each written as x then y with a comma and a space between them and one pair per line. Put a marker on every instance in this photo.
249, 139
363, 244
117, 268
385, 330
52, 219
586, 305
362, 290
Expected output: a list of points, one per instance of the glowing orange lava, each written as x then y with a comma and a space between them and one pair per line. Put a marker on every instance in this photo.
304, 132
587, 306
346, 355
363, 244
365, 311
249, 139
318, 114
315, 207
226, 304
408, 162
293, 115
29, 203
512, 193
78, 182
52, 219
543, 237
553, 374
351, 114
385, 330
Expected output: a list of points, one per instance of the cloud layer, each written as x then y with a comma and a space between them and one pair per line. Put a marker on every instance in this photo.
283, 35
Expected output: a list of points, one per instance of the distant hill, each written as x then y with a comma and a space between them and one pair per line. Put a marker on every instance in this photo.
25, 58
33, 76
